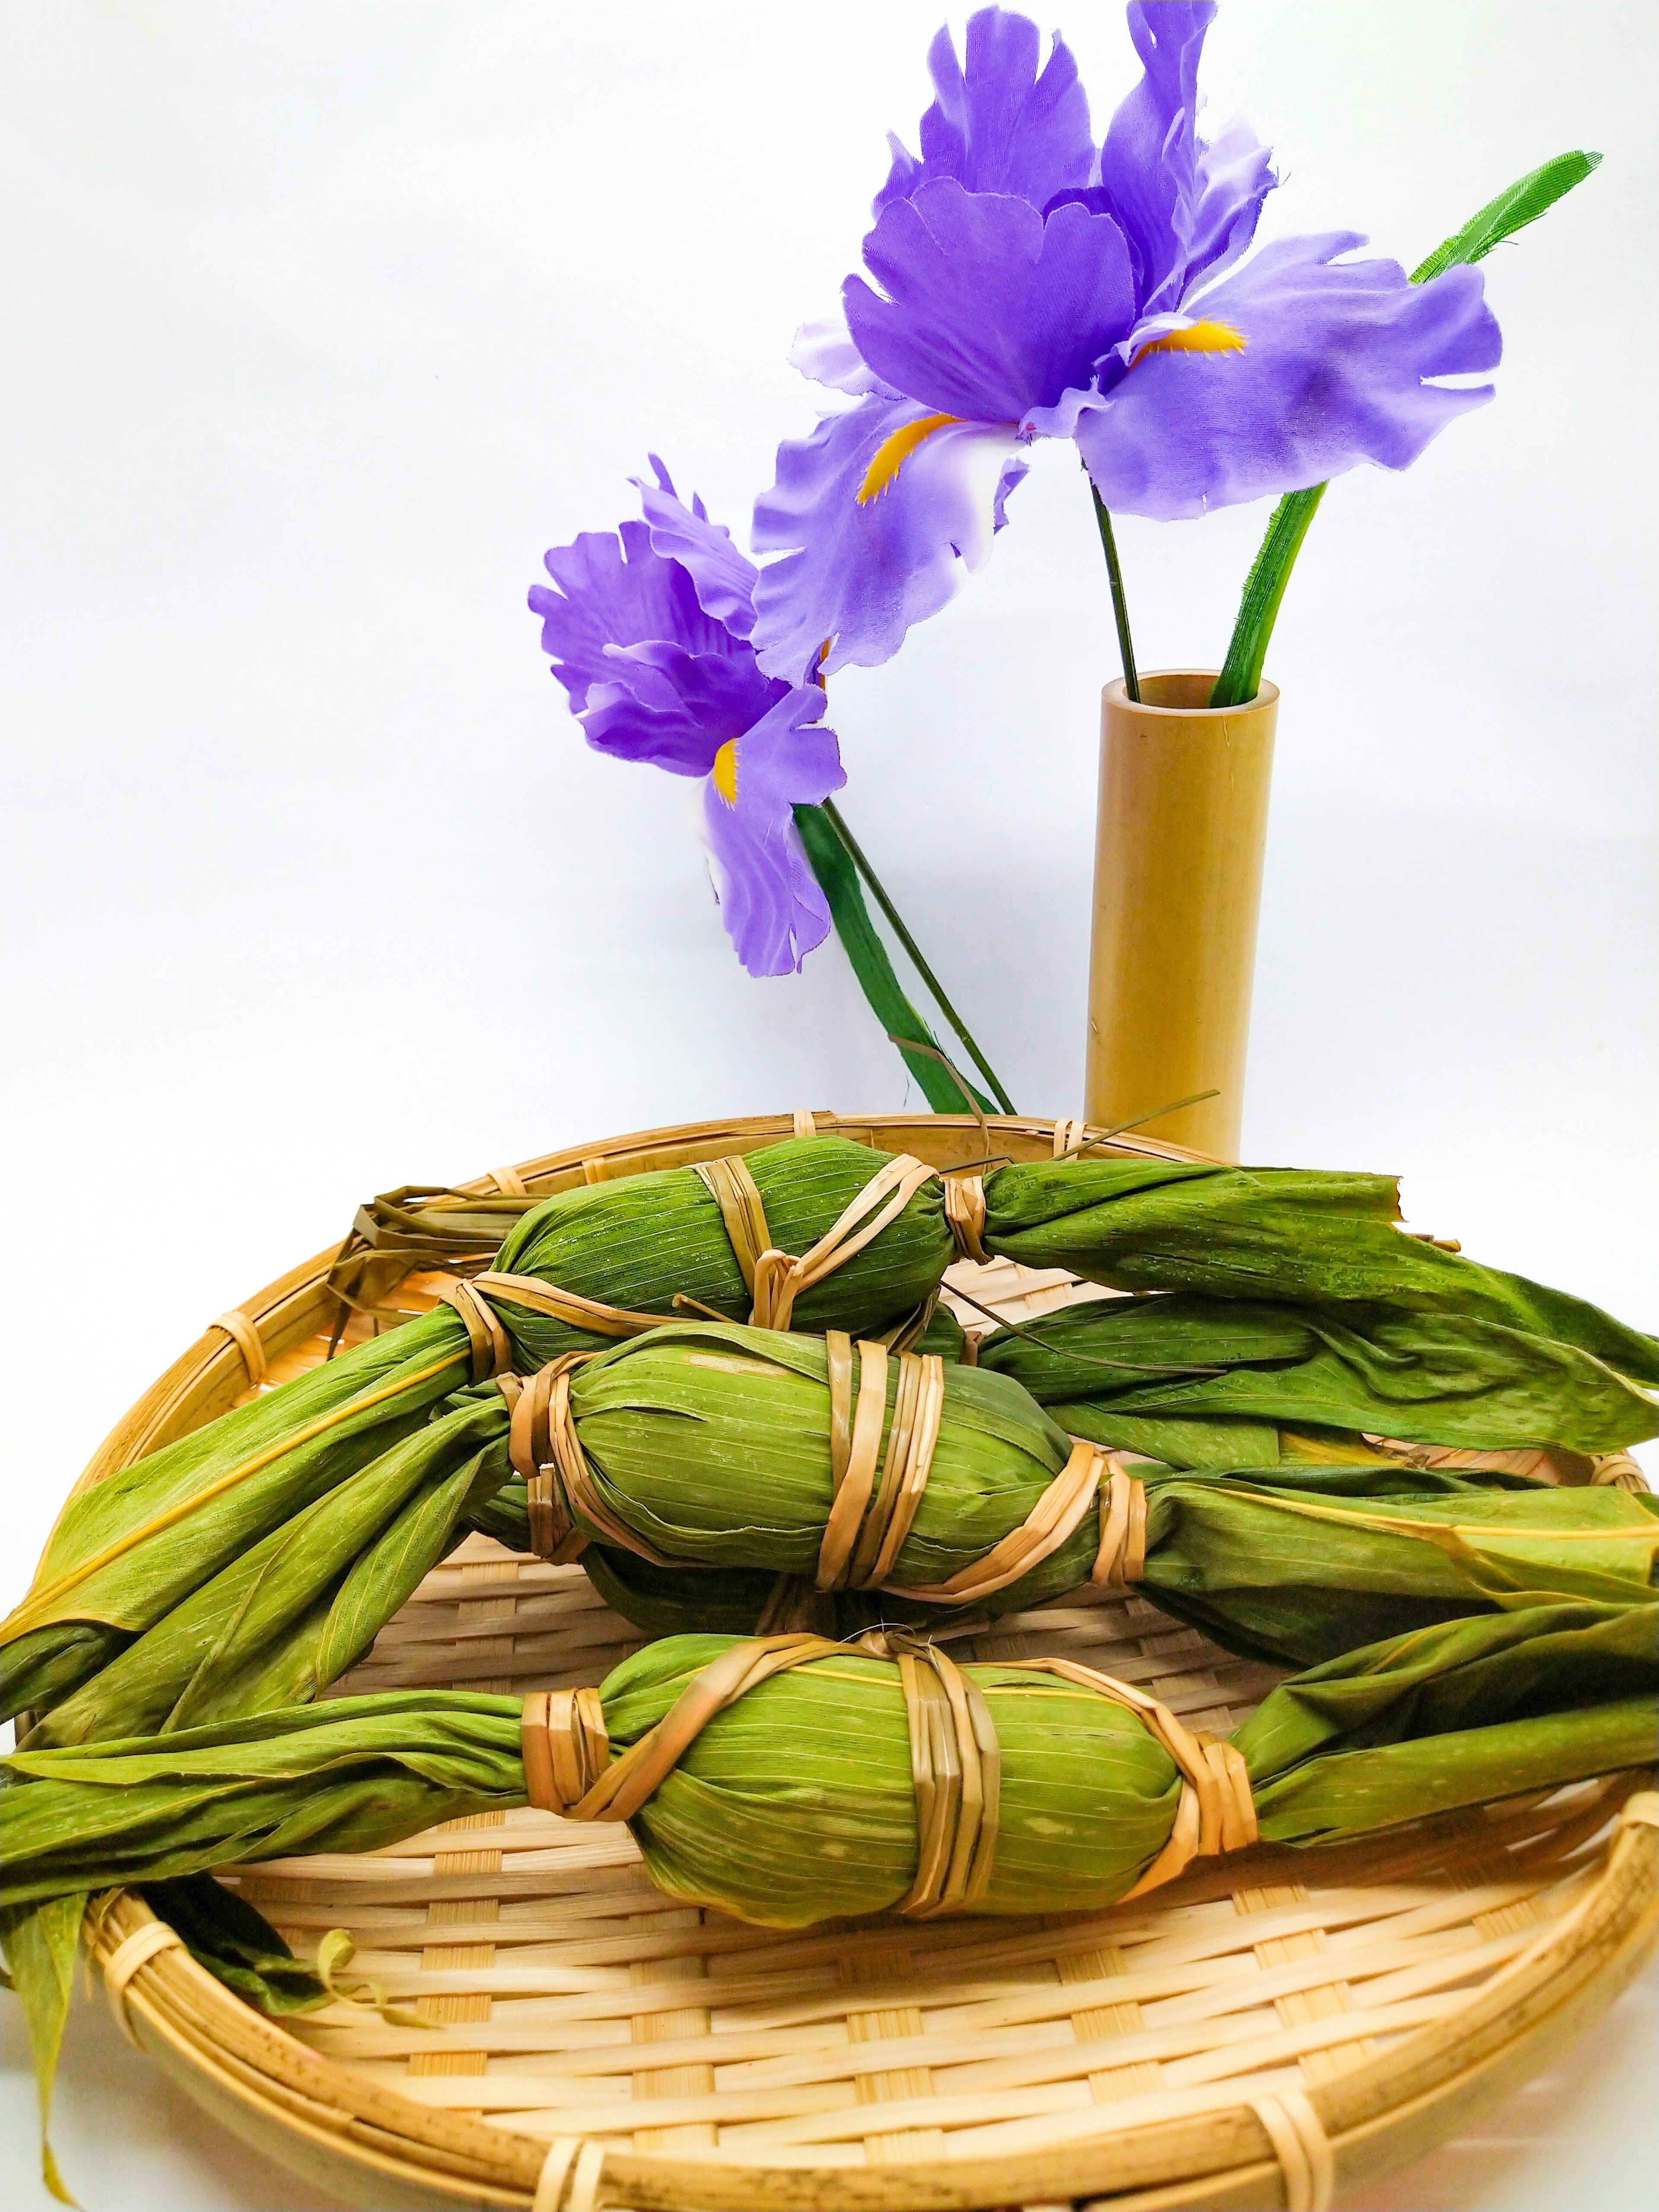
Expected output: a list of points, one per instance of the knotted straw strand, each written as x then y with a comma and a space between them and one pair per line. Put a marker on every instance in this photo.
779, 1279
559, 1483
491, 1349
1216, 1812
869, 1519
965, 1216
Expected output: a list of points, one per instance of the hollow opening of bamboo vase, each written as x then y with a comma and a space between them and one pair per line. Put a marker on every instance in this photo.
1180, 838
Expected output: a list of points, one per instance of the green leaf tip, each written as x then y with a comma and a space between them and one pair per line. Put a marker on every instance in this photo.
1528, 198
40, 1942
1525, 200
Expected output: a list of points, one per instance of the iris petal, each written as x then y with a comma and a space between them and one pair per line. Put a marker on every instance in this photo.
722, 579
772, 905
674, 708
990, 310
996, 126
615, 589
1189, 209
864, 575
1334, 371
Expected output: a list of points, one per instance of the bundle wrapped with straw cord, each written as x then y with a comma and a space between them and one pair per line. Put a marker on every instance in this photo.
579, 1270
910, 1486
718, 1477
788, 1779
1200, 1381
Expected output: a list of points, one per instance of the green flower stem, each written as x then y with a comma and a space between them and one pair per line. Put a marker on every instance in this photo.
876, 890
832, 864
1241, 672
1523, 202
1120, 604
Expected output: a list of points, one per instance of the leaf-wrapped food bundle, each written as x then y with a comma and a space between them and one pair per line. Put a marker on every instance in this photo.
717, 1448
778, 1779
602, 1261
1106, 1366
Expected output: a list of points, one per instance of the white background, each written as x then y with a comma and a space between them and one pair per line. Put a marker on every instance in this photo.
322, 321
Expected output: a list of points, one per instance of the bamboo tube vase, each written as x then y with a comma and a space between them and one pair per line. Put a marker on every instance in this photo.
1181, 828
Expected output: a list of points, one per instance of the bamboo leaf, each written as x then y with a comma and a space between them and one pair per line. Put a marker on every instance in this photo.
40, 1941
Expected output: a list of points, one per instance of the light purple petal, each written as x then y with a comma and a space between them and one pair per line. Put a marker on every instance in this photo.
862, 576
722, 579
1188, 209
822, 351
1333, 374
990, 311
674, 708
773, 909
615, 590
998, 126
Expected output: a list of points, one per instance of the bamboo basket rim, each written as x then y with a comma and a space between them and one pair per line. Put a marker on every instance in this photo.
1211, 2146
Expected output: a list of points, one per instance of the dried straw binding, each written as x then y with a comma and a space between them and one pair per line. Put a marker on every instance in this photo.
1261, 2030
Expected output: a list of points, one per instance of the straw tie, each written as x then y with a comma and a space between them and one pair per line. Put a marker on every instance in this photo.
964, 1215
1216, 1812
1619, 1471
956, 1768
559, 1481
774, 1278
565, 1740
1070, 1137
870, 1516
488, 1340
566, 1748
509, 1183
954, 1760
591, 1315
1121, 1558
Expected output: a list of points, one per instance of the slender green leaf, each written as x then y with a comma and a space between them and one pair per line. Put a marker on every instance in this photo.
40, 1939
1533, 195
832, 864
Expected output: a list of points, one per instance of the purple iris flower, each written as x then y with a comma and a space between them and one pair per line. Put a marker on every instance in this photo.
1032, 286
649, 630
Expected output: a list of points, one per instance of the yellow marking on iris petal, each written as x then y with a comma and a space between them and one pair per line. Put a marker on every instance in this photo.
893, 451
1200, 337
724, 774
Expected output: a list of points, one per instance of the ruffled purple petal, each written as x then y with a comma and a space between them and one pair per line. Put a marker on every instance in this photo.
616, 590
1333, 373
674, 708
990, 310
1188, 208
859, 577
722, 579
823, 352
773, 908
998, 126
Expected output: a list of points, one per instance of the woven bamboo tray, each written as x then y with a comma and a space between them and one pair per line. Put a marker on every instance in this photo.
1256, 2033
